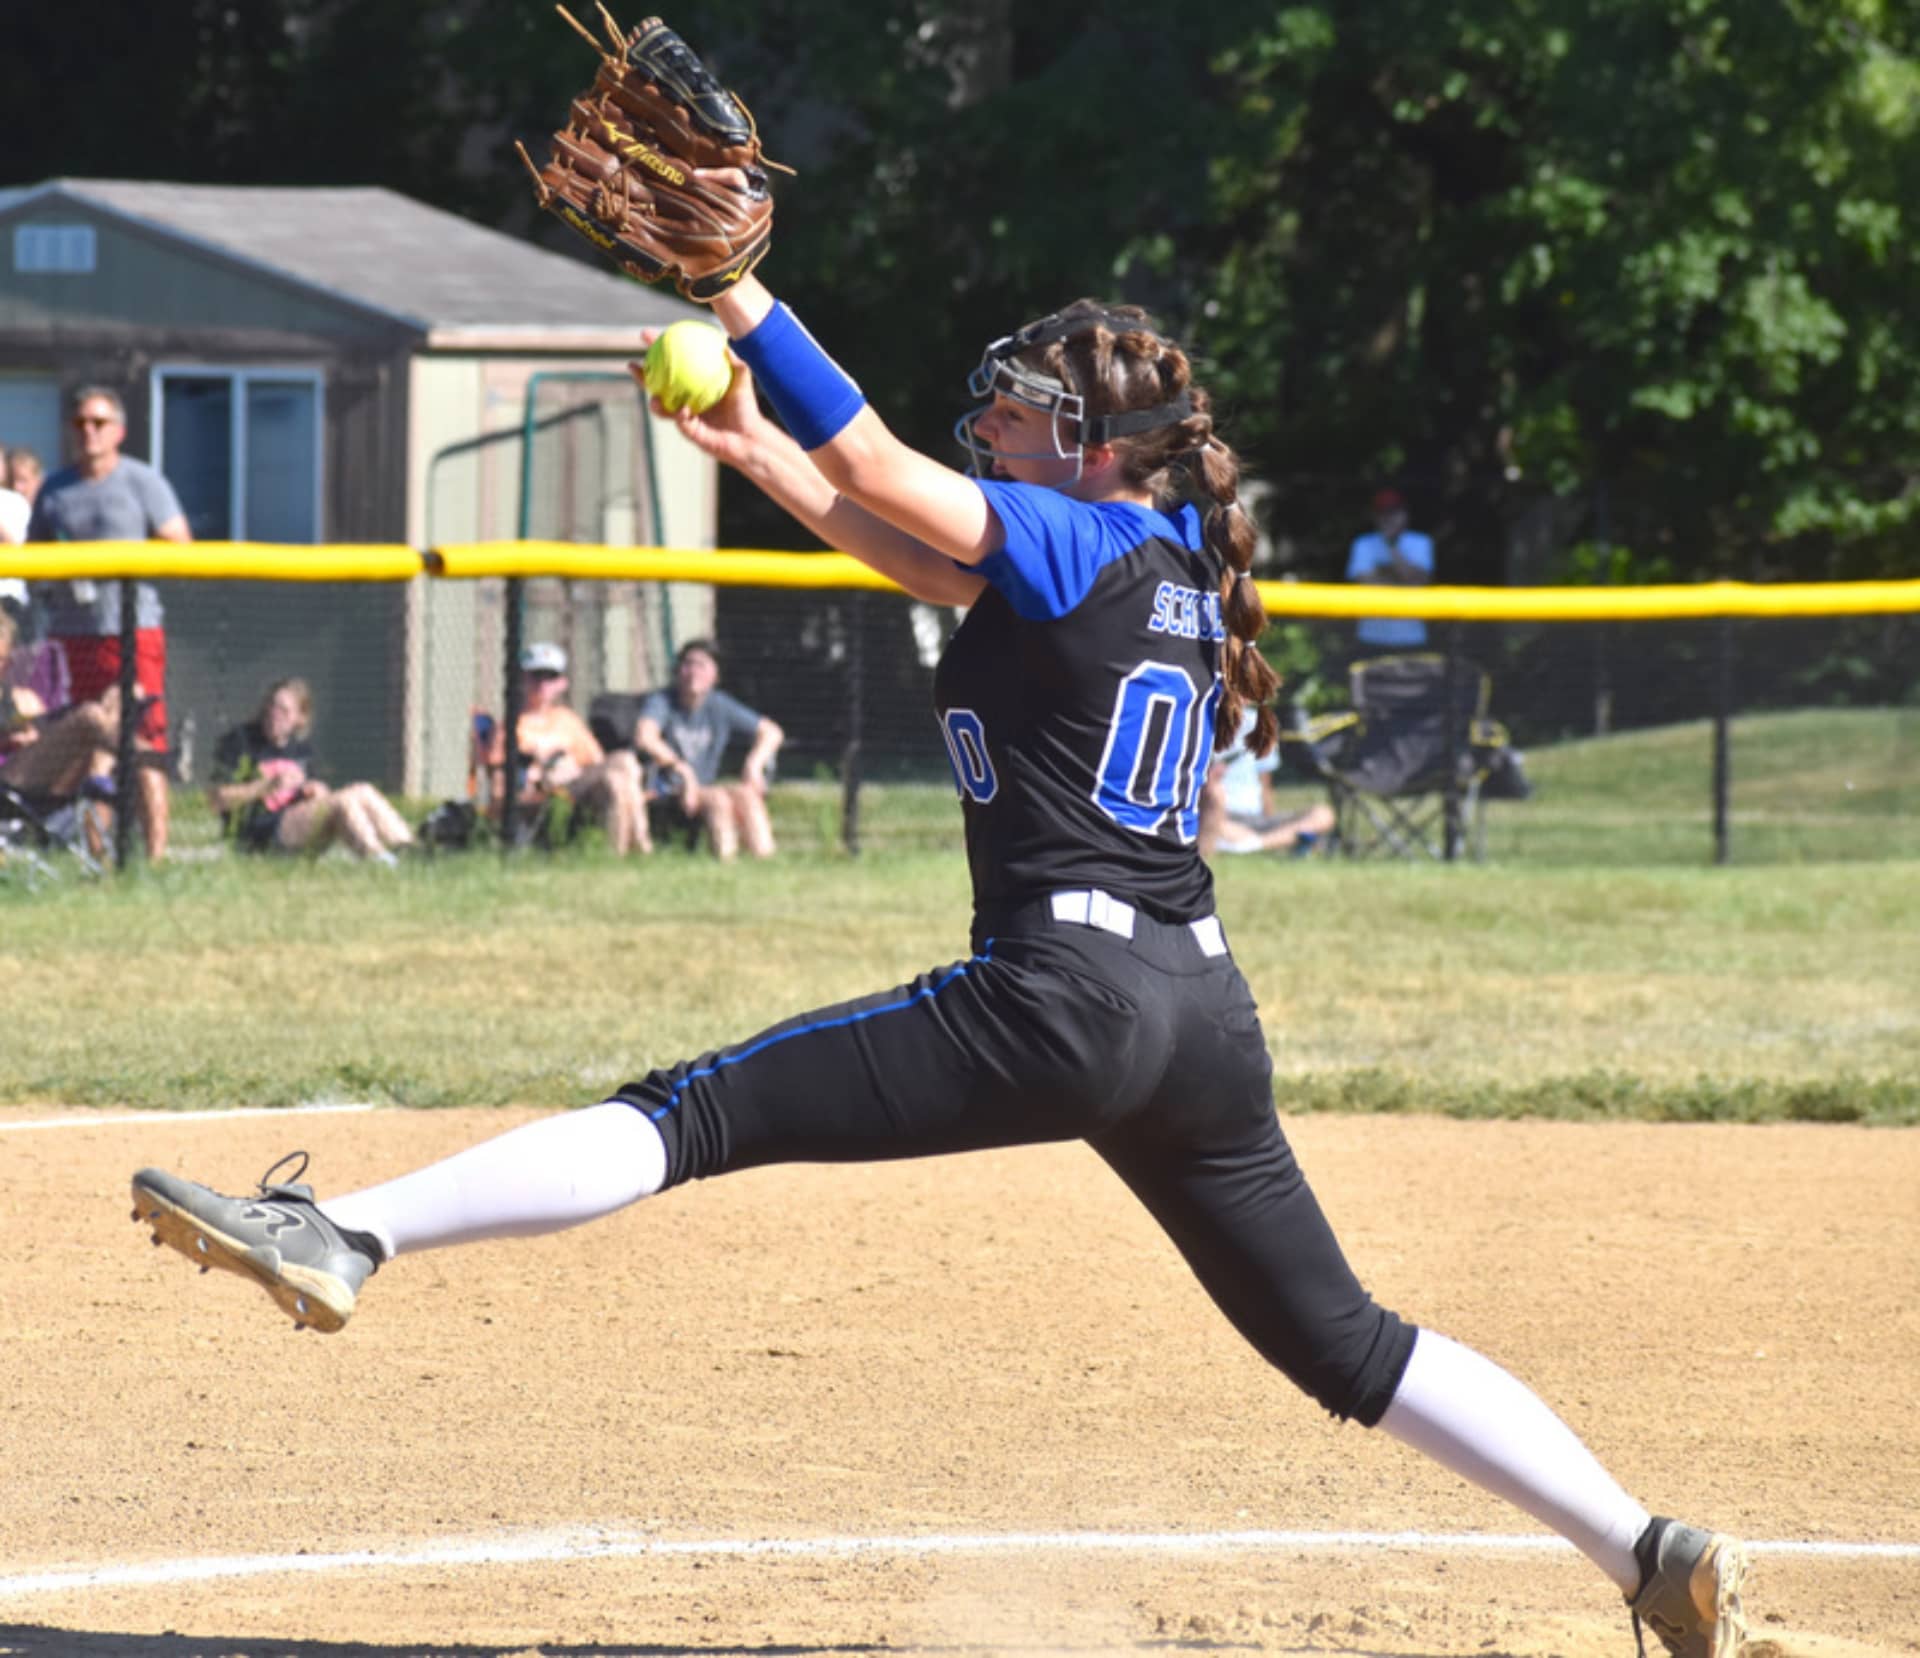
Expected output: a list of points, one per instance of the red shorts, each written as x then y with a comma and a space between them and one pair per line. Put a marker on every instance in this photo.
93, 663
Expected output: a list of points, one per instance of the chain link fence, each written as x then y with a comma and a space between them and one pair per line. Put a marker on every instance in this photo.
1739, 739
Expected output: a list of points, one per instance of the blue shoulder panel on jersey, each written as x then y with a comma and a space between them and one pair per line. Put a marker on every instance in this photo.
1055, 547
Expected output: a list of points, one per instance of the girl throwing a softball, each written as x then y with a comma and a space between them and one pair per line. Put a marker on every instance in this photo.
1100, 552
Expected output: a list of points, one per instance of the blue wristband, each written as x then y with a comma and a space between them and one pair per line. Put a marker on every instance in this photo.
812, 394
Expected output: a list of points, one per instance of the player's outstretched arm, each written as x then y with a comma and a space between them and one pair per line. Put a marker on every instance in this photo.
736, 433
921, 570
660, 166
846, 440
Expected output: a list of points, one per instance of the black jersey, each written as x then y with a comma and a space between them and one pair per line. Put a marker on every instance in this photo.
244, 754
1077, 700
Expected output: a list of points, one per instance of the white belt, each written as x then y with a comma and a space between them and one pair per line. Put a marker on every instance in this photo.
1208, 934
1094, 908
1090, 907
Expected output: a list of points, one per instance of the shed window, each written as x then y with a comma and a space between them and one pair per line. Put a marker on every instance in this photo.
242, 447
56, 250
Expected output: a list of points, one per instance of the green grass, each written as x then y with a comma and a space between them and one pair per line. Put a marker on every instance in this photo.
1816, 786
1811, 786
1539, 983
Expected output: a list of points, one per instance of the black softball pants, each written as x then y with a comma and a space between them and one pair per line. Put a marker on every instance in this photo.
1149, 1048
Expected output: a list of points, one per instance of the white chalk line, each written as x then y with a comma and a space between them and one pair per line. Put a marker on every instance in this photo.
557, 1547
155, 1118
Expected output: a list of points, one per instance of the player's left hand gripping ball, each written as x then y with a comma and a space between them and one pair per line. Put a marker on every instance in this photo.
624, 170
687, 367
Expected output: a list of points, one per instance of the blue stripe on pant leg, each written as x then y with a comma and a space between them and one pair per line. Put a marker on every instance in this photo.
760, 1047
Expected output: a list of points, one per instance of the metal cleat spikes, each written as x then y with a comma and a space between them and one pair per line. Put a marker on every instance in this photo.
280, 1239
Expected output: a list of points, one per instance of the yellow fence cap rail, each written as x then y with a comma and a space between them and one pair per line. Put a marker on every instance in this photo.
733, 567
724, 567
1592, 604
207, 561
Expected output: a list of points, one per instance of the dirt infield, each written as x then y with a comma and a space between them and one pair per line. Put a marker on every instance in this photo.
972, 1406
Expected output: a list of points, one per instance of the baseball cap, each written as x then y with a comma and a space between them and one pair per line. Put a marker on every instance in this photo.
1387, 500
543, 659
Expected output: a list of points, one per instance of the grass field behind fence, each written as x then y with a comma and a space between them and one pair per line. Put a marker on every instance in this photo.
1807, 787
1633, 980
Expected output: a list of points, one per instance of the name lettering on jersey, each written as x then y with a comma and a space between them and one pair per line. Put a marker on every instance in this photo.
1186, 613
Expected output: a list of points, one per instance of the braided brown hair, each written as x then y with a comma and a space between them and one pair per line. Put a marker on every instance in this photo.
1118, 369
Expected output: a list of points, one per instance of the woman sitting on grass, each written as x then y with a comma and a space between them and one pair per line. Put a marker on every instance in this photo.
268, 801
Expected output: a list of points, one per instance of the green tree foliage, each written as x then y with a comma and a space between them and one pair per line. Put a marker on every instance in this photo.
1519, 256
1499, 251
280, 92
91, 88
1521, 248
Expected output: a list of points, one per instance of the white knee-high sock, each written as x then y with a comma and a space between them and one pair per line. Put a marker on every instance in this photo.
1471, 1416
540, 1177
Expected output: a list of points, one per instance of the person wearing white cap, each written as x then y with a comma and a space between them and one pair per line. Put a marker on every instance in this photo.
559, 754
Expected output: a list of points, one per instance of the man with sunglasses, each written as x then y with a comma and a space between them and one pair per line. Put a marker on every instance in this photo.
108, 496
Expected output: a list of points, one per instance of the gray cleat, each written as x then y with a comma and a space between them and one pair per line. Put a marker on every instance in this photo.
1689, 1595
280, 1239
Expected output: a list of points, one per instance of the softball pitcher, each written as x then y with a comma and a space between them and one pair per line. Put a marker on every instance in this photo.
1100, 552
1108, 643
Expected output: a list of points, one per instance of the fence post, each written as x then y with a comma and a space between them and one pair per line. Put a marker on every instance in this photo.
1602, 667
856, 718
126, 789
1449, 640
510, 716
1722, 744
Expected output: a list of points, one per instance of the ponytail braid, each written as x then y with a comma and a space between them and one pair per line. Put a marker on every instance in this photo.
1245, 673
1116, 367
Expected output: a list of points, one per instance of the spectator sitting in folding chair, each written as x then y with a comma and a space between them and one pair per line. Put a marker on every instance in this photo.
561, 761
55, 764
1238, 812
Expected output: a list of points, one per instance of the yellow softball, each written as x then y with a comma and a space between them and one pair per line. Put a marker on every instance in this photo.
687, 367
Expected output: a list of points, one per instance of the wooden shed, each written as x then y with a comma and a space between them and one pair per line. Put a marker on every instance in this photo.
349, 365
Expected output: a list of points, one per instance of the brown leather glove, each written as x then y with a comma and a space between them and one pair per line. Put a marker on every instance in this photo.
622, 170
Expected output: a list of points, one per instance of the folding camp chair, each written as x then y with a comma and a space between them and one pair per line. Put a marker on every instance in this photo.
37, 818
611, 717
35, 829
1410, 767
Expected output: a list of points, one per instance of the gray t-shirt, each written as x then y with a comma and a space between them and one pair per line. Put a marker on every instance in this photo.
700, 736
128, 504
